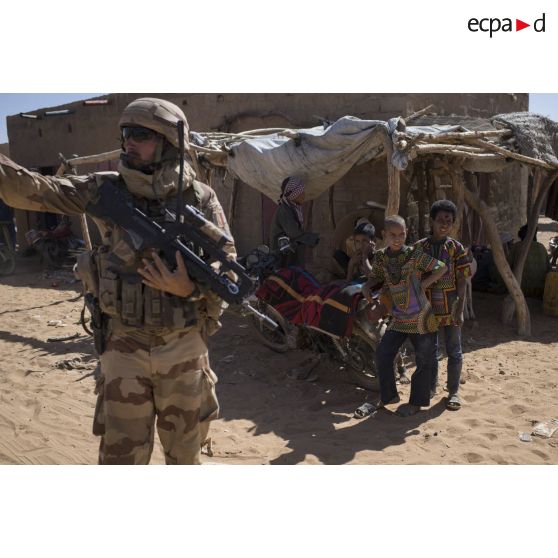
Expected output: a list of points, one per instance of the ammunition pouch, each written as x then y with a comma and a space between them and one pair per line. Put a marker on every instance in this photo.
211, 308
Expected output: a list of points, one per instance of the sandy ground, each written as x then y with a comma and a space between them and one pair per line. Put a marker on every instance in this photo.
46, 408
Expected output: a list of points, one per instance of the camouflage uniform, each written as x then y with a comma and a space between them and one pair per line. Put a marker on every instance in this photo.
154, 360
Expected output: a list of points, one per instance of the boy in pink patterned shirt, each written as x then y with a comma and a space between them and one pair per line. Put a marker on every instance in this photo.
447, 296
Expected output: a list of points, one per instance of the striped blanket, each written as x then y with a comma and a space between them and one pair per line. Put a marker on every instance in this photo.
298, 296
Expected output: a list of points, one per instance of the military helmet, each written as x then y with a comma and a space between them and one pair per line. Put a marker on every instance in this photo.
156, 114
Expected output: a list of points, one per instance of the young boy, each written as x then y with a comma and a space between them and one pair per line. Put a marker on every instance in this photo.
447, 296
359, 265
400, 268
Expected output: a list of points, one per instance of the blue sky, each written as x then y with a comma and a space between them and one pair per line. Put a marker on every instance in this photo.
14, 103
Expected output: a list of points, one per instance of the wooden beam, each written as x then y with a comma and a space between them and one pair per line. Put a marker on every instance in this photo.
422, 199
232, 205
456, 174
394, 181
65, 166
460, 135
331, 207
93, 159
511, 154
523, 317
430, 183
450, 149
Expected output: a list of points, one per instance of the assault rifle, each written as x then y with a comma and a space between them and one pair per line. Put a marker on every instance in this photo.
192, 230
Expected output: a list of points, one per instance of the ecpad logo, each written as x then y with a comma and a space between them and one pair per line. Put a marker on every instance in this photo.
494, 24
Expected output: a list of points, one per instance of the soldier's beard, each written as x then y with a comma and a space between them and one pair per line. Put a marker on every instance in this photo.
134, 161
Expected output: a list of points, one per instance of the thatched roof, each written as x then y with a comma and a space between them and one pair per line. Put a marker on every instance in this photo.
536, 136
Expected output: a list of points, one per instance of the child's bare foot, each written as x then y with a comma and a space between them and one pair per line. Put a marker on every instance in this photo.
407, 410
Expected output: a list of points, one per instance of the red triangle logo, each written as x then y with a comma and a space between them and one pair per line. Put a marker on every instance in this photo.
519, 25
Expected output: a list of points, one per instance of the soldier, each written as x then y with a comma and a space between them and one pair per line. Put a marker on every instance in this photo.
154, 322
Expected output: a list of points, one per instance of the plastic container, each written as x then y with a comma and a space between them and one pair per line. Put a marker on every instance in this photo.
550, 297
545, 429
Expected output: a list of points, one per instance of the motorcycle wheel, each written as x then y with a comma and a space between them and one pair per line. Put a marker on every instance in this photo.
361, 362
7, 261
276, 340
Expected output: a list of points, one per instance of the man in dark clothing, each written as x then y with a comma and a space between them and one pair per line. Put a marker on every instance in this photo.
289, 220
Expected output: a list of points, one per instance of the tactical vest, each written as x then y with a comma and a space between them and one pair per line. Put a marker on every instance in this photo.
109, 271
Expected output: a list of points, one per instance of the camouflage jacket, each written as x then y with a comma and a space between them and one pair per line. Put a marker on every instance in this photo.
118, 285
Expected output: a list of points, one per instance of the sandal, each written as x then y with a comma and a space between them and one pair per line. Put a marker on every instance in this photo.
453, 402
365, 410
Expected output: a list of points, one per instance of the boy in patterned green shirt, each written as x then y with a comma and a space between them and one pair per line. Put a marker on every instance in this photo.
401, 268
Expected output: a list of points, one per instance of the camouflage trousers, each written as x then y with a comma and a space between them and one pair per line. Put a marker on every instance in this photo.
149, 377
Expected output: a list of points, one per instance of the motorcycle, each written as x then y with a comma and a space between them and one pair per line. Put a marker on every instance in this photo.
7, 249
54, 245
356, 352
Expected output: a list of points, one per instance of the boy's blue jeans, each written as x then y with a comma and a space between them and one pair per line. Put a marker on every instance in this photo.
452, 338
425, 355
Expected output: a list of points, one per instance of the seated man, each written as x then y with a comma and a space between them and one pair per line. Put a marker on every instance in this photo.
360, 263
289, 220
343, 257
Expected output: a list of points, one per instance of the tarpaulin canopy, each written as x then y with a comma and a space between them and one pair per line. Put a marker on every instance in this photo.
323, 154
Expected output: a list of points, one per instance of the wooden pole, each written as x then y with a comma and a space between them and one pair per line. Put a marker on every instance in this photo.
523, 317
394, 181
82, 218
511, 154
332, 207
232, 204
452, 136
430, 184
93, 159
418, 113
542, 185
470, 181
456, 174
422, 199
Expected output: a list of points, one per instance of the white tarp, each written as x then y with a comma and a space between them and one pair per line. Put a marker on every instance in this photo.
319, 155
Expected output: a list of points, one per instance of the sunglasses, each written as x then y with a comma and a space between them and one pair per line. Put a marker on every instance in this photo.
138, 133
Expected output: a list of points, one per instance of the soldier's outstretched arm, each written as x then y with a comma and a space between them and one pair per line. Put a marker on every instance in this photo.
24, 189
